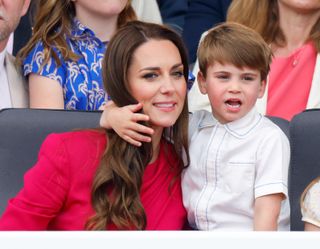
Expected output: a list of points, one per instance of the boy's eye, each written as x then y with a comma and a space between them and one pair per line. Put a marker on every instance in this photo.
222, 76
248, 78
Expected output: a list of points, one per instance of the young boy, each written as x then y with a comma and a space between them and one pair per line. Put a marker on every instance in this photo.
237, 177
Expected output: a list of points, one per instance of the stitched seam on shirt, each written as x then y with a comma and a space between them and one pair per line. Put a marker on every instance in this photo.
206, 180
262, 185
216, 178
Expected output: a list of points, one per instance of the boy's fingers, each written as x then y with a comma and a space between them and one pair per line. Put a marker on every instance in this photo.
140, 117
131, 141
135, 108
142, 129
138, 137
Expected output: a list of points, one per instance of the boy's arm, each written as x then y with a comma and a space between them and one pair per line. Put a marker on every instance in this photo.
266, 212
124, 121
271, 180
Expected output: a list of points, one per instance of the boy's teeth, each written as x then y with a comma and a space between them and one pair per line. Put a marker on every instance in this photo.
234, 105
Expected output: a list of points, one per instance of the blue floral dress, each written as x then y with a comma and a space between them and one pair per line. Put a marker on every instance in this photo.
81, 80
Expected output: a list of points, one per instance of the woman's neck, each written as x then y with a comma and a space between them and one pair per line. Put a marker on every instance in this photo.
156, 139
296, 27
103, 28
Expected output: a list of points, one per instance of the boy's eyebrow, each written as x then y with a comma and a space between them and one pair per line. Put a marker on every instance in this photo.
158, 68
221, 71
251, 73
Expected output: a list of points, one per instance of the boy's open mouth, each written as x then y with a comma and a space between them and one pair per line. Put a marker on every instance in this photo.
233, 103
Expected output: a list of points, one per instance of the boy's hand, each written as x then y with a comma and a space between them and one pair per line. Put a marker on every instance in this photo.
124, 121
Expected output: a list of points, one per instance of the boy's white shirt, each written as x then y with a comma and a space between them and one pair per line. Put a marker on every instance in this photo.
230, 166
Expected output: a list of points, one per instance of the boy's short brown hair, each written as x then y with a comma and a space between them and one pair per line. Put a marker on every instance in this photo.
235, 44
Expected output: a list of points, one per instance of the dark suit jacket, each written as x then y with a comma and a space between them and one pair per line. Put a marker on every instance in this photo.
173, 13
23, 32
201, 16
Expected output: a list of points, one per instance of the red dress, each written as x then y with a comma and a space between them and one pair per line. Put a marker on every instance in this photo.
57, 190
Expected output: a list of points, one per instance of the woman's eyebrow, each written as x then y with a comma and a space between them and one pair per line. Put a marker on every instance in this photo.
149, 69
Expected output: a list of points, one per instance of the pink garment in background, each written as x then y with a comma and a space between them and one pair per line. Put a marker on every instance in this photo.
290, 81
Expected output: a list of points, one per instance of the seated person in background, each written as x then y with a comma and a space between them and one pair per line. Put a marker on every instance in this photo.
147, 10
173, 13
291, 28
201, 16
237, 177
310, 206
13, 89
93, 179
23, 32
63, 59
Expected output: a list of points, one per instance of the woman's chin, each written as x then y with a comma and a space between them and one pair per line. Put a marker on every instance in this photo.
163, 123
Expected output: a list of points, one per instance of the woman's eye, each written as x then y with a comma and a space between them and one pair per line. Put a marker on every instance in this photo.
178, 74
149, 76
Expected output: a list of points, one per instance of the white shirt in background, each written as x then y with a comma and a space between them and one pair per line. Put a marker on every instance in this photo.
5, 99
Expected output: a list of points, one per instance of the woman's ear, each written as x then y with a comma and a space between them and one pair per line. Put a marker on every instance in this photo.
202, 83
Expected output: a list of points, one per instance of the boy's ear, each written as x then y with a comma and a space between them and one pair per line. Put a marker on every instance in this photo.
262, 88
202, 83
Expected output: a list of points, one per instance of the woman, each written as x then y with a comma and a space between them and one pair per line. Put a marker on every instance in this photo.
292, 28
95, 180
63, 58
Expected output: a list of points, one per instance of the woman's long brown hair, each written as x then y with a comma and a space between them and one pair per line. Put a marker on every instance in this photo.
52, 23
122, 166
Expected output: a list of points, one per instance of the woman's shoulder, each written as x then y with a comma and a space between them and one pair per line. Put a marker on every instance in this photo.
74, 142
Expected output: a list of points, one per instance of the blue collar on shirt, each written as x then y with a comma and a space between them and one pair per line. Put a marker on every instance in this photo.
79, 30
238, 128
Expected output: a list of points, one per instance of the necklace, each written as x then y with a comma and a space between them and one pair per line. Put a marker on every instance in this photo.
294, 56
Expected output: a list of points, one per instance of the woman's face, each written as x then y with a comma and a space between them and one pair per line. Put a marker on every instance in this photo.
99, 8
301, 5
156, 80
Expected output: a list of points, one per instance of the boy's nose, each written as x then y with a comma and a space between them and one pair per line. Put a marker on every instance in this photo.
234, 87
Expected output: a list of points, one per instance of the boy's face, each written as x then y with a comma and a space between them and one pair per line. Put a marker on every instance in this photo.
232, 91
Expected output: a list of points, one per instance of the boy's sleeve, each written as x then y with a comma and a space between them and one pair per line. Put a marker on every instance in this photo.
273, 157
